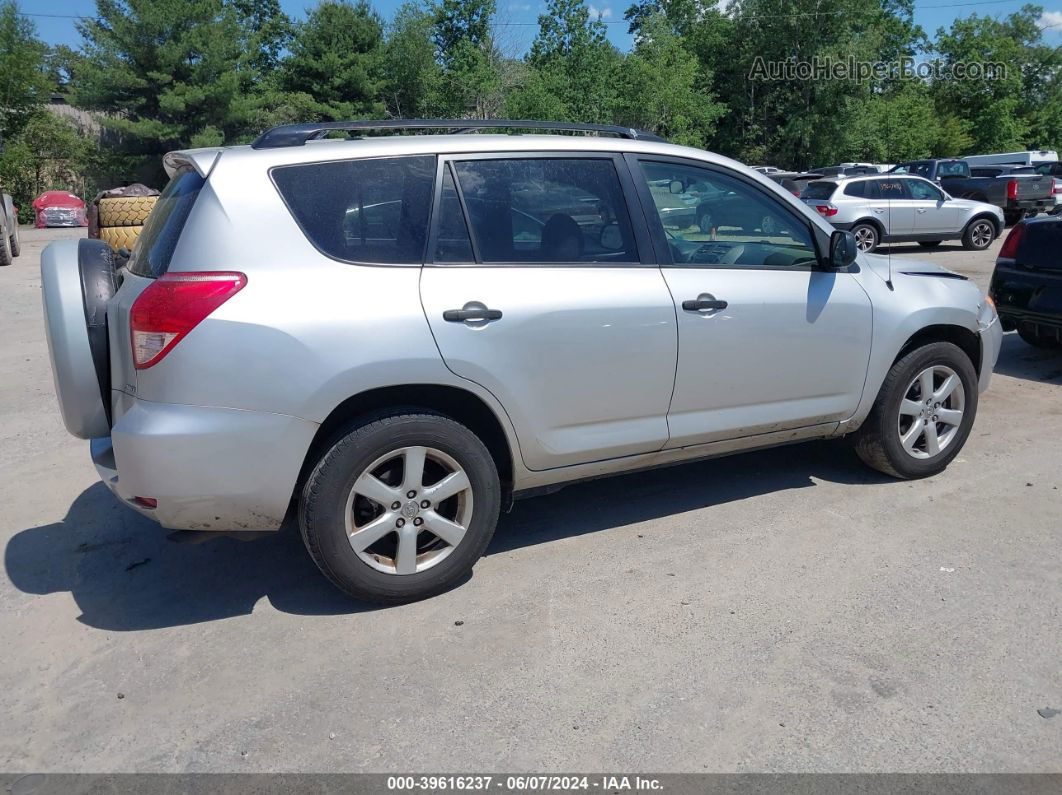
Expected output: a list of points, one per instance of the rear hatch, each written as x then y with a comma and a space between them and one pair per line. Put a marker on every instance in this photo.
1033, 187
817, 196
150, 259
1029, 285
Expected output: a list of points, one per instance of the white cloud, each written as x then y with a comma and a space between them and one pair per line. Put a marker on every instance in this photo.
1051, 20
599, 13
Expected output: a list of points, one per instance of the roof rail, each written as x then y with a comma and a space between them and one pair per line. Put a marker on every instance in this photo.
299, 134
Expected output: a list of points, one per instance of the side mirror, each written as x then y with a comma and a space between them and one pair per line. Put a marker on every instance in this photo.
611, 239
843, 249
675, 186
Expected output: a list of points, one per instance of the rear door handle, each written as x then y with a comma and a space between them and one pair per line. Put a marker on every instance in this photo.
705, 302
471, 311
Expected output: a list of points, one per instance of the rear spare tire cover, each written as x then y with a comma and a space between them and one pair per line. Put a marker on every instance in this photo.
77, 280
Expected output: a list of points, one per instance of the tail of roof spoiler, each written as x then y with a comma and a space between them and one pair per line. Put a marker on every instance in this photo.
202, 160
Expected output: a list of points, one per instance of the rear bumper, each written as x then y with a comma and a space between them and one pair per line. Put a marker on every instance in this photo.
1031, 204
208, 468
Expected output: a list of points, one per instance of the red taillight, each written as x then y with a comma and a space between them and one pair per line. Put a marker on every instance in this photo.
1010, 245
1056, 188
173, 305
146, 502
1012, 189
825, 209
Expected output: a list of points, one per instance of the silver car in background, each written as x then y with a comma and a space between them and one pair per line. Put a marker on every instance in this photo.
902, 209
392, 337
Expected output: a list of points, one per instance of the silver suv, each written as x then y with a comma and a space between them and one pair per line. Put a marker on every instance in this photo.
893, 209
394, 336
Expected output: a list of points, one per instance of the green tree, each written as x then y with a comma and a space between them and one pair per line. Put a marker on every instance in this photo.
664, 90
572, 68
24, 83
993, 105
336, 62
168, 70
472, 82
48, 153
411, 73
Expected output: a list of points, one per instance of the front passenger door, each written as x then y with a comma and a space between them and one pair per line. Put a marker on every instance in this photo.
767, 341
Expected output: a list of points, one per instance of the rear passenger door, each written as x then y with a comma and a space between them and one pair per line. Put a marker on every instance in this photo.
892, 206
540, 287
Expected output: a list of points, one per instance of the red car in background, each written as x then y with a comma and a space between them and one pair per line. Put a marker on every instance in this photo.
58, 208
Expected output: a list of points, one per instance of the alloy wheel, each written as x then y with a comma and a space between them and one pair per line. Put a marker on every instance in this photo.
931, 412
408, 510
981, 234
866, 238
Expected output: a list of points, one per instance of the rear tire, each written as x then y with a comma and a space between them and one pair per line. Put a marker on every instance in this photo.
379, 456
895, 439
867, 237
1031, 336
5, 250
978, 234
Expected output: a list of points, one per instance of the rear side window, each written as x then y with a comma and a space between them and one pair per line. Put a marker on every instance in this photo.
154, 248
372, 211
891, 189
857, 189
819, 191
547, 210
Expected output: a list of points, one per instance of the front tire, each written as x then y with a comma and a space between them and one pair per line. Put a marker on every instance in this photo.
978, 235
16, 246
5, 249
373, 540
923, 413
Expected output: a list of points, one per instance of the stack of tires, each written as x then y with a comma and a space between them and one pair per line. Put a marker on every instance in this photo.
121, 219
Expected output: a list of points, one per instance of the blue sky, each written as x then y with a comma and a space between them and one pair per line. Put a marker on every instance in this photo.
522, 16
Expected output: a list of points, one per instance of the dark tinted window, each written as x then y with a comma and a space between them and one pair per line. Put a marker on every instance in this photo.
891, 189
1041, 244
162, 230
921, 169
453, 244
556, 210
819, 191
1049, 169
985, 171
373, 211
858, 189
953, 168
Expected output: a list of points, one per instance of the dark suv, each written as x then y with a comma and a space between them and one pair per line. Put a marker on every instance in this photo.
1027, 282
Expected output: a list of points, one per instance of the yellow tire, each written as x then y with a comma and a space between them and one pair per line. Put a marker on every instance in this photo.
120, 236
126, 210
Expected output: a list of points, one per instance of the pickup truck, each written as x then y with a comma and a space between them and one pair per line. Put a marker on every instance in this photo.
9, 245
1016, 197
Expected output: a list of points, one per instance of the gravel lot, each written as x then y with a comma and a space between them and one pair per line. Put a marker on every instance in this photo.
785, 611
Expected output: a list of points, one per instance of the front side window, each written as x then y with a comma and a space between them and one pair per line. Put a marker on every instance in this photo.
547, 210
954, 168
923, 191
372, 211
713, 219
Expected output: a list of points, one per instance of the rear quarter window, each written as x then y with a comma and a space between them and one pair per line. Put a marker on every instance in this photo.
372, 211
154, 248
819, 191
857, 189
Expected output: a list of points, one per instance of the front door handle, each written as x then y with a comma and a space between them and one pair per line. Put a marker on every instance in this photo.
705, 302
473, 310
921, 209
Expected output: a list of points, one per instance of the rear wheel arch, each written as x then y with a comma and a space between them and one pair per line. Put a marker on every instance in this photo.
874, 222
457, 404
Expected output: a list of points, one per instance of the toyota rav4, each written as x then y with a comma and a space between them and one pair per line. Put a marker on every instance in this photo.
392, 336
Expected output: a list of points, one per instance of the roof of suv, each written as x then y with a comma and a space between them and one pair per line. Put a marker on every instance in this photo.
203, 160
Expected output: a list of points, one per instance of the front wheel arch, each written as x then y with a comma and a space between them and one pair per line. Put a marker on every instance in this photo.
967, 341
996, 225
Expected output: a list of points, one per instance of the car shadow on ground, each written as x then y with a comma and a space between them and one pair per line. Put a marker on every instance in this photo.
124, 574
1019, 359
